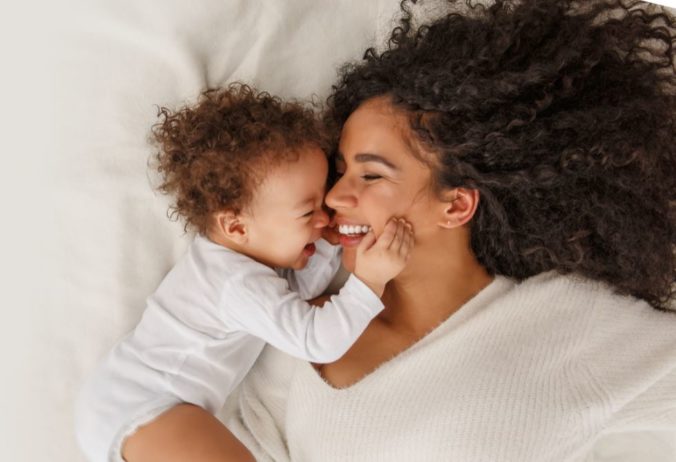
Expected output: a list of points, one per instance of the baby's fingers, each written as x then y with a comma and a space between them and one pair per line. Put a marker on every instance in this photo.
366, 242
406, 242
387, 237
398, 239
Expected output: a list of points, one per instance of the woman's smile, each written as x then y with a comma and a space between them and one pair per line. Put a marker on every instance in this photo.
350, 233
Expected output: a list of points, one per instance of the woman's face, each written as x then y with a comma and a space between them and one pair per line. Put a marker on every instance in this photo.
380, 178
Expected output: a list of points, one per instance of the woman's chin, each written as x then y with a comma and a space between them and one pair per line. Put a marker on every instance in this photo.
349, 258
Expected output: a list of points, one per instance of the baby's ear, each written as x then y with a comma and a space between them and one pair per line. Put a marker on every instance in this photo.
230, 226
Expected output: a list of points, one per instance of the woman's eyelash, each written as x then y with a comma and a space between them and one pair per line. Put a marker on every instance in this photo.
363, 177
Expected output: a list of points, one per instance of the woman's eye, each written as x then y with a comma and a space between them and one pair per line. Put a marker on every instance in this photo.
309, 214
365, 177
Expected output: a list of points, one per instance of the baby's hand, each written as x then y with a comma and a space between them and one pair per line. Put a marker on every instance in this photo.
379, 261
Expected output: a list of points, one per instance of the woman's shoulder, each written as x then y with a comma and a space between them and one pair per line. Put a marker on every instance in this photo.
591, 312
578, 291
616, 347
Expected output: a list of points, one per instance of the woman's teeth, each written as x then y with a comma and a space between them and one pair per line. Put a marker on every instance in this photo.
350, 229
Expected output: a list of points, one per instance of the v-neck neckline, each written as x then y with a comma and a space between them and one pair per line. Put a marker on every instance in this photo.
491, 292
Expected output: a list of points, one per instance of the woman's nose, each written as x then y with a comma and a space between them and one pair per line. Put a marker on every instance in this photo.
340, 195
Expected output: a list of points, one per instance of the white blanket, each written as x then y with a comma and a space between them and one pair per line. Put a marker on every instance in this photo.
85, 238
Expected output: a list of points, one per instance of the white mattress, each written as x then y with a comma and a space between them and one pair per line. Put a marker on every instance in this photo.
85, 239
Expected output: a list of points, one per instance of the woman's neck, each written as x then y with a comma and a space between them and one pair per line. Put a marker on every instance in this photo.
433, 286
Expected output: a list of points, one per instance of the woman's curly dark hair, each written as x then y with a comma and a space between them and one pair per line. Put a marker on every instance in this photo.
213, 154
561, 114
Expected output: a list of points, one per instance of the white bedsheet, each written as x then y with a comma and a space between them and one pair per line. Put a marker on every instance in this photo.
85, 239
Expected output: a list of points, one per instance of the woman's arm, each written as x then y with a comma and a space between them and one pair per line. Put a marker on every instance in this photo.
185, 433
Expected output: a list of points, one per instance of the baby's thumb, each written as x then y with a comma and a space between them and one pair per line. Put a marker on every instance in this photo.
367, 242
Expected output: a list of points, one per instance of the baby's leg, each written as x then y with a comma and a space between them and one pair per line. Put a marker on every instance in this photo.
185, 433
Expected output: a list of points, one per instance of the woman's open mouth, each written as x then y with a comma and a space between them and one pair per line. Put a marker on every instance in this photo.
351, 235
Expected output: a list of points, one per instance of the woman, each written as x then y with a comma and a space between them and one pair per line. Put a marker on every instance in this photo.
530, 144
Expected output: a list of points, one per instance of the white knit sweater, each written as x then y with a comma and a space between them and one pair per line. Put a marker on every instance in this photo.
535, 371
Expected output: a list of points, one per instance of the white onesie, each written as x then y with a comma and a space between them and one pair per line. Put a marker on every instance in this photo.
203, 329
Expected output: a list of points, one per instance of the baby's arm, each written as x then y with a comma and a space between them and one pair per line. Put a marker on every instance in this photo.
313, 280
265, 307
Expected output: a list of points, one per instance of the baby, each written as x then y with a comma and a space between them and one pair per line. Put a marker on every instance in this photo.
248, 174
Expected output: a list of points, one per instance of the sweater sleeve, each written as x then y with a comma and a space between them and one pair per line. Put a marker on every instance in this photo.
632, 360
264, 306
653, 409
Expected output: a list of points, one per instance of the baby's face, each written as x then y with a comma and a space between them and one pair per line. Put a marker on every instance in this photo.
286, 215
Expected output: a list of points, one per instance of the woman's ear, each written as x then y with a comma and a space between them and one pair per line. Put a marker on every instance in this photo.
458, 207
231, 226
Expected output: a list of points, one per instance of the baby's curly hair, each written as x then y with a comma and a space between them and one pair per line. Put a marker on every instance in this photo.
213, 155
561, 114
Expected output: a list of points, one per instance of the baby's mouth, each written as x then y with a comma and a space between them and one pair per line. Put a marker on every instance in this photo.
309, 249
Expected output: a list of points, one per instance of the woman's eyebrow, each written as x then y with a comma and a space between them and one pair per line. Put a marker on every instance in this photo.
368, 157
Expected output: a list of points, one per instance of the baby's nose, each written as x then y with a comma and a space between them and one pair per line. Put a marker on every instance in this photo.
322, 219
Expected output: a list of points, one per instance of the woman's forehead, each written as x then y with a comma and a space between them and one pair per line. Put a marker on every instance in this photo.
374, 127
378, 127
378, 110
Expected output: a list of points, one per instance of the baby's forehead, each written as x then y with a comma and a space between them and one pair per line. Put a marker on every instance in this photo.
296, 183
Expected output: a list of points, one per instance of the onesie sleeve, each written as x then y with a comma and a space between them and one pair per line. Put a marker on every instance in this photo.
312, 281
264, 306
